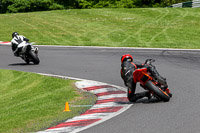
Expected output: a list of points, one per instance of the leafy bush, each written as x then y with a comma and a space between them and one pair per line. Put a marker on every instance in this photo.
103, 4
126, 4
56, 6
85, 4
19, 6
106, 3
43, 5
67, 3
14, 6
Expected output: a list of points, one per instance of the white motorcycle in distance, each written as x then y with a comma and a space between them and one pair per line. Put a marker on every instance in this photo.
28, 53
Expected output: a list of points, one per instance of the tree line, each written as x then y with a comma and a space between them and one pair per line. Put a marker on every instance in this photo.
14, 6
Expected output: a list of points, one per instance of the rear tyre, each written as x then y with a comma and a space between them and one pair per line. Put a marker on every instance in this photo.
157, 91
34, 57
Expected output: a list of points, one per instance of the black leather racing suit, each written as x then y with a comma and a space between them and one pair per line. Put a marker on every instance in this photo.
127, 69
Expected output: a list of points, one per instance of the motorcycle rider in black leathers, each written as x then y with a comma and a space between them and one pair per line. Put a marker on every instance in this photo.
127, 69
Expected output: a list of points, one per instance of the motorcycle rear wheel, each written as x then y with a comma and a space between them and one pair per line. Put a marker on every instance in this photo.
157, 91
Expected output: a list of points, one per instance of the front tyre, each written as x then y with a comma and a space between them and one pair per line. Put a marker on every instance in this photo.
157, 91
34, 57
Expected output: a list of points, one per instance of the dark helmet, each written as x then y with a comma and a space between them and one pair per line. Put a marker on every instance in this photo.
126, 57
14, 34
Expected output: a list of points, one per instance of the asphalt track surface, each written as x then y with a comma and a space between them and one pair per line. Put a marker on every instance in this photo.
181, 68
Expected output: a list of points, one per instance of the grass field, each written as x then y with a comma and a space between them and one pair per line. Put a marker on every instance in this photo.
31, 102
140, 27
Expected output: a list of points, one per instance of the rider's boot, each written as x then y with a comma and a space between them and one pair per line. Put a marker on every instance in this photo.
140, 95
148, 95
27, 61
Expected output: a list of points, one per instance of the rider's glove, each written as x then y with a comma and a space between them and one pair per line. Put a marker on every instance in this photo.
26, 39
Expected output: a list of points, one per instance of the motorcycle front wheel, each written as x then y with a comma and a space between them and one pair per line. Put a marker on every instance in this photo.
34, 57
157, 91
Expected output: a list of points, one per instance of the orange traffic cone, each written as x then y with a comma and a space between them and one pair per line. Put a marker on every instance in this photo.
66, 107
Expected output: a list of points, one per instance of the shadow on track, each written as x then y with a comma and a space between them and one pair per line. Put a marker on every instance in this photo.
20, 64
145, 101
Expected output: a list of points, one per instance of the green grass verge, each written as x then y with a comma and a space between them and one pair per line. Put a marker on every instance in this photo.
31, 102
138, 27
